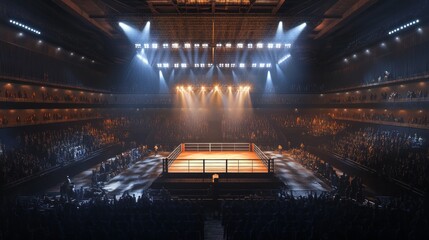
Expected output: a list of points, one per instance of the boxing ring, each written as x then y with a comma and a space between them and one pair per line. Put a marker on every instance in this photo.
217, 158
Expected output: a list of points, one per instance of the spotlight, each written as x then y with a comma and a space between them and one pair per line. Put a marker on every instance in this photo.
239, 45
205, 45
203, 89
187, 45
184, 65
190, 88
216, 88
175, 45
230, 88
155, 45
260, 45
383, 44
59, 49
354, 56
146, 45
165, 45
228, 45
367, 51
278, 45
71, 54
270, 45
218, 44
346, 60
196, 45
268, 65
254, 65
176, 65
249, 45
242, 65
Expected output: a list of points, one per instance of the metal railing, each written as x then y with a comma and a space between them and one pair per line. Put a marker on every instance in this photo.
217, 166
217, 147
268, 162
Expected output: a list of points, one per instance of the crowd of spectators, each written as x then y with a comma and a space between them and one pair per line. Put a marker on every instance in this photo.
182, 126
391, 153
114, 166
41, 149
387, 116
126, 217
314, 125
46, 117
253, 128
321, 217
44, 95
342, 185
381, 96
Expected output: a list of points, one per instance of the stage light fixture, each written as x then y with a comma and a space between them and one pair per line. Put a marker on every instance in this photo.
165, 65
278, 45
187, 45
190, 88
202, 65
146, 45
24, 26
239, 45
175, 45
254, 65
270, 45
218, 44
228, 45
196, 45
268, 65
159, 65
184, 65
260, 45
154, 45
196, 65
284, 58
176, 65
205, 45
261, 65
165, 45
242, 65
232, 65
249, 45
288, 45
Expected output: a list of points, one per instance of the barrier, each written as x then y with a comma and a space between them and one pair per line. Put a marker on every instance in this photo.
262, 165
268, 162
218, 166
209, 147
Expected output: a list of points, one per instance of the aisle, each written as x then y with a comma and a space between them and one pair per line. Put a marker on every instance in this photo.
296, 177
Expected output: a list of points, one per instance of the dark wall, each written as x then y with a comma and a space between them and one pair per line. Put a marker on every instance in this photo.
402, 58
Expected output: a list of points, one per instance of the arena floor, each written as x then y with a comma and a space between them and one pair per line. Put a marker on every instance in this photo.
215, 162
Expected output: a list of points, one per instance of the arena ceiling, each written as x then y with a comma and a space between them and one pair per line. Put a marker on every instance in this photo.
91, 26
